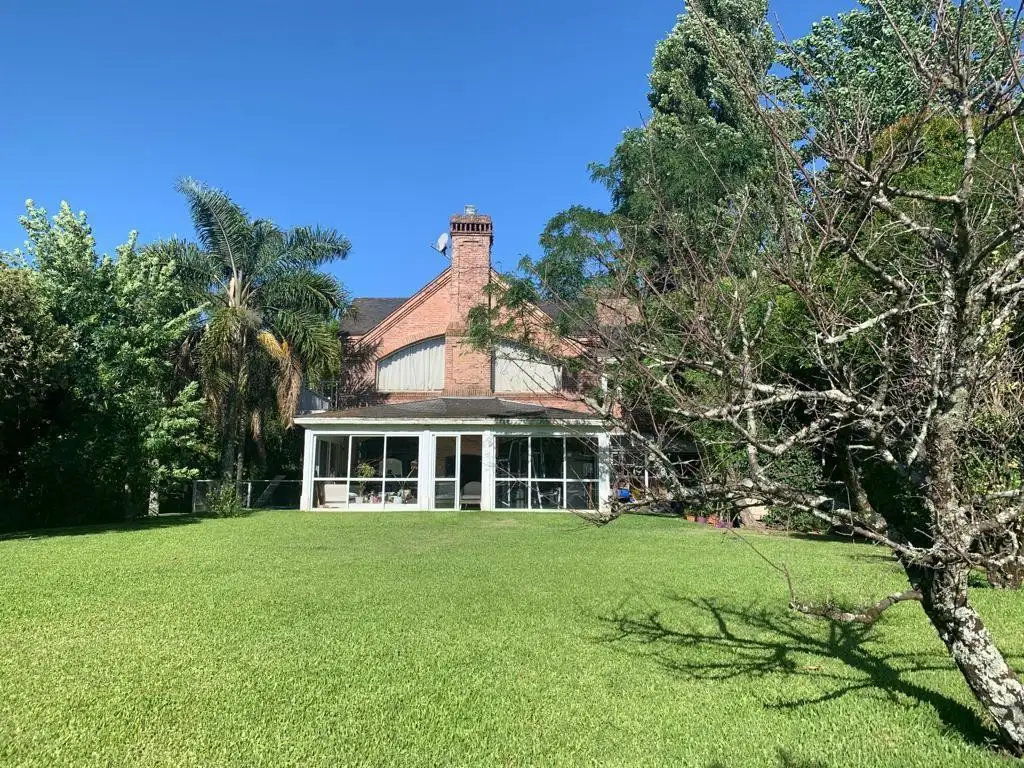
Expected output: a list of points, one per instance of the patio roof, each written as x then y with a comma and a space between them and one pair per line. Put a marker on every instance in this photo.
454, 408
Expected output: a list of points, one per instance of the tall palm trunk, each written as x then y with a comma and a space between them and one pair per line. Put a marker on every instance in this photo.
240, 459
233, 415
228, 450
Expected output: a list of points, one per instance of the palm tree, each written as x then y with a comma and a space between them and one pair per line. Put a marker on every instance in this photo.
267, 314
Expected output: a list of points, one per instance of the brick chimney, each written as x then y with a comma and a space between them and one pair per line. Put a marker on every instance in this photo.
467, 371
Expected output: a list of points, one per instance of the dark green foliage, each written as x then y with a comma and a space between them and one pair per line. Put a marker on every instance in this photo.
268, 317
97, 430
792, 520
223, 501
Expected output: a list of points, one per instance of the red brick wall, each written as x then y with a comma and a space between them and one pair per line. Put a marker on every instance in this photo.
422, 317
467, 371
442, 308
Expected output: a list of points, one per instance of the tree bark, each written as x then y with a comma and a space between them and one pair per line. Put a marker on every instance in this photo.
240, 461
228, 451
990, 678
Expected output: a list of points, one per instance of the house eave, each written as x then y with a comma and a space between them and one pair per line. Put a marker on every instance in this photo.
313, 420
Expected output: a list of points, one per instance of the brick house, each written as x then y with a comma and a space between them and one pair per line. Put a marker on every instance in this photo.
453, 426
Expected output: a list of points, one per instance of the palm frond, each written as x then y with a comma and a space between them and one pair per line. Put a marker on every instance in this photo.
312, 340
305, 289
197, 270
289, 383
222, 226
312, 247
269, 243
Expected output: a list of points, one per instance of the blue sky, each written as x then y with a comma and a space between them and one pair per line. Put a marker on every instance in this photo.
377, 118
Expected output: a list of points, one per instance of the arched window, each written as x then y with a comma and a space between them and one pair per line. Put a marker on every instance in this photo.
519, 369
418, 367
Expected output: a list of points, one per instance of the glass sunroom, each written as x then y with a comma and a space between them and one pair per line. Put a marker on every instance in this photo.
472, 453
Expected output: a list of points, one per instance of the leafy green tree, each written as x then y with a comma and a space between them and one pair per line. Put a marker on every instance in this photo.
32, 374
875, 329
30, 342
266, 312
114, 430
861, 57
697, 165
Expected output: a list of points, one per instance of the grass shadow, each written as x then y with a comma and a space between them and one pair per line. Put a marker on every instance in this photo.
756, 642
141, 524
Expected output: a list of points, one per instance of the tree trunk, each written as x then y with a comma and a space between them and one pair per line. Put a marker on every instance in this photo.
240, 462
752, 513
863, 512
228, 451
996, 686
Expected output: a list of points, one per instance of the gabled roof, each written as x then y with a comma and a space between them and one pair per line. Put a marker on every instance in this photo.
366, 314
456, 408
369, 313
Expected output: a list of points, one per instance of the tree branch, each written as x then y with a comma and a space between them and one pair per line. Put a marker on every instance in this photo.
863, 616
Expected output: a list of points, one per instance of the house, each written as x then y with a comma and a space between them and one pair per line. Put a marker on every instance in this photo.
453, 426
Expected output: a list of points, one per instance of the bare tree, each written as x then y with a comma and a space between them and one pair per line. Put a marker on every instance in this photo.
873, 326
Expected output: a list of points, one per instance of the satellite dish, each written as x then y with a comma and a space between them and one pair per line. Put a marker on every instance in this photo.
442, 244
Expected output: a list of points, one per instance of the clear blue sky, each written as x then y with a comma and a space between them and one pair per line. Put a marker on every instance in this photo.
377, 118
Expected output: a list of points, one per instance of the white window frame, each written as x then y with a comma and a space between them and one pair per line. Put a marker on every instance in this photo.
348, 480
563, 481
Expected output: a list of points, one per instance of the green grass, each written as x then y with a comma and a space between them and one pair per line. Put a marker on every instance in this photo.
466, 639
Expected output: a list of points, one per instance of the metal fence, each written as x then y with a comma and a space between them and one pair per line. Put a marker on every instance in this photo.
255, 494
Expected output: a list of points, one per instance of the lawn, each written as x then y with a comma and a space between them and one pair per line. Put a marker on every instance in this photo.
336, 639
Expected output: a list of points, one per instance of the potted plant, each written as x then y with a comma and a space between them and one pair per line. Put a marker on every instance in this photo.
364, 469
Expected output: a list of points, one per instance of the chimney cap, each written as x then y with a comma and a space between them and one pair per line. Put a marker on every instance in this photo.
471, 223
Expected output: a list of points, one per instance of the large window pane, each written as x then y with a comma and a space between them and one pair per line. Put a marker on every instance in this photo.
471, 452
512, 456
328, 494
580, 458
444, 457
403, 454
581, 495
510, 494
444, 494
367, 457
547, 456
365, 491
332, 456
546, 495
400, 492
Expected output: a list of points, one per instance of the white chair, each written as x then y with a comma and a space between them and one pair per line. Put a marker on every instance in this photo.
335, 495
470, 494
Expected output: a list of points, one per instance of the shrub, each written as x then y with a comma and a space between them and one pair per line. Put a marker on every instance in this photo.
797, 521
223, 501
